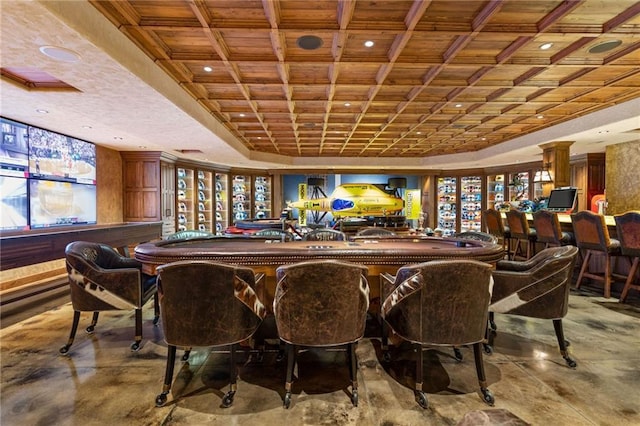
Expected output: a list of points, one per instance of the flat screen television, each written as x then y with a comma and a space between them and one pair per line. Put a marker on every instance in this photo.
54, 156
14, 149
562, 199
15, 204
56, 203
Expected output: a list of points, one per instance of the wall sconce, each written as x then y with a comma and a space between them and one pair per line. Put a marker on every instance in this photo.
543, 176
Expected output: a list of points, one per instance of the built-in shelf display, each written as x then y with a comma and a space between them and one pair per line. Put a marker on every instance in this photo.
519, 186
185, 197
222, 203
241, 197
447, 205
262, 204
495, 192
204, 211
470, 203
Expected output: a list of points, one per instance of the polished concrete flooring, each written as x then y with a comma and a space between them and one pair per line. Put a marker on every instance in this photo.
101, 382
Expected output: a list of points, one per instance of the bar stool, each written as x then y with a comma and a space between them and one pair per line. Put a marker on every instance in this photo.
548, 230
520, 231
495, 226
592, 235
628, 228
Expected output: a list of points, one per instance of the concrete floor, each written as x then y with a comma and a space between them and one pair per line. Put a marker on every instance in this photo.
101, 382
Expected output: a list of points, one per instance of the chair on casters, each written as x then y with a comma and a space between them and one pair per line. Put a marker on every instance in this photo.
206, 304
521, 232
548, 230
321, 303
537, 288
495, 226
592, 236
101, 279
628, 228
447, 302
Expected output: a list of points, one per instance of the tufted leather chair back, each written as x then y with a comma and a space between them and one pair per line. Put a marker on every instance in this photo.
591, 231
536, 288
628, 229
321, 302
442, 302
325, 234
205, 303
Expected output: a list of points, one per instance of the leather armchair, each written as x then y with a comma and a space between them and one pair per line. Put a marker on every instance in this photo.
321, 303
205, 304
537, 288
101, 279
439, 303
325, 234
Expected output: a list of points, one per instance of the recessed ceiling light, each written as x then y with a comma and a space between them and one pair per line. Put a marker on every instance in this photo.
458, 105
60, 53
605, 46
208, 69
142, 147
241, 115
87, 127
368, 43
42, 111
419, 133
309, 42
484, 139
540, 116
118, 138
546, 46
347, 104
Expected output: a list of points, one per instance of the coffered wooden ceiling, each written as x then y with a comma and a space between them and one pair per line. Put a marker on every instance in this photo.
442, 77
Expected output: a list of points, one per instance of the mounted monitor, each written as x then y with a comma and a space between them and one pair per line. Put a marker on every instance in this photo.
562, 200
14, 149
54, 203
54, 156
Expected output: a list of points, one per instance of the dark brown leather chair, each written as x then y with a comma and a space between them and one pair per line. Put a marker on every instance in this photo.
521, 232
189, 234
548, 230
495, 226
537, 288
325, 234
628, 228
439, 303
321, 303
478, 236
375, 231
101, 279
205, 304
592, 236
273, 234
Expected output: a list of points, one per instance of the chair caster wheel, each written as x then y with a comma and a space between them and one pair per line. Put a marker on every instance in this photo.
488, 349
421, 399
570, 362
386, 357
227, 400
458, 354
493, 325
287, 399
156, 320
161, 399
135, 346
64, 349
280, 356
185, 356
90, 329
354, 397
567, 343
487, 397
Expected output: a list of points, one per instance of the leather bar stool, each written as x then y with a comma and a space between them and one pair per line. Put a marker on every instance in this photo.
592, 236
628, 228
548, 230
495, 226
521, 232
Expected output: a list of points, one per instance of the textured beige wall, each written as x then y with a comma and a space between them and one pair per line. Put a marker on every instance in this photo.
623, 177
109, 185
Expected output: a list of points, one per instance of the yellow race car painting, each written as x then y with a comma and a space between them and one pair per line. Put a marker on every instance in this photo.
354, 199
